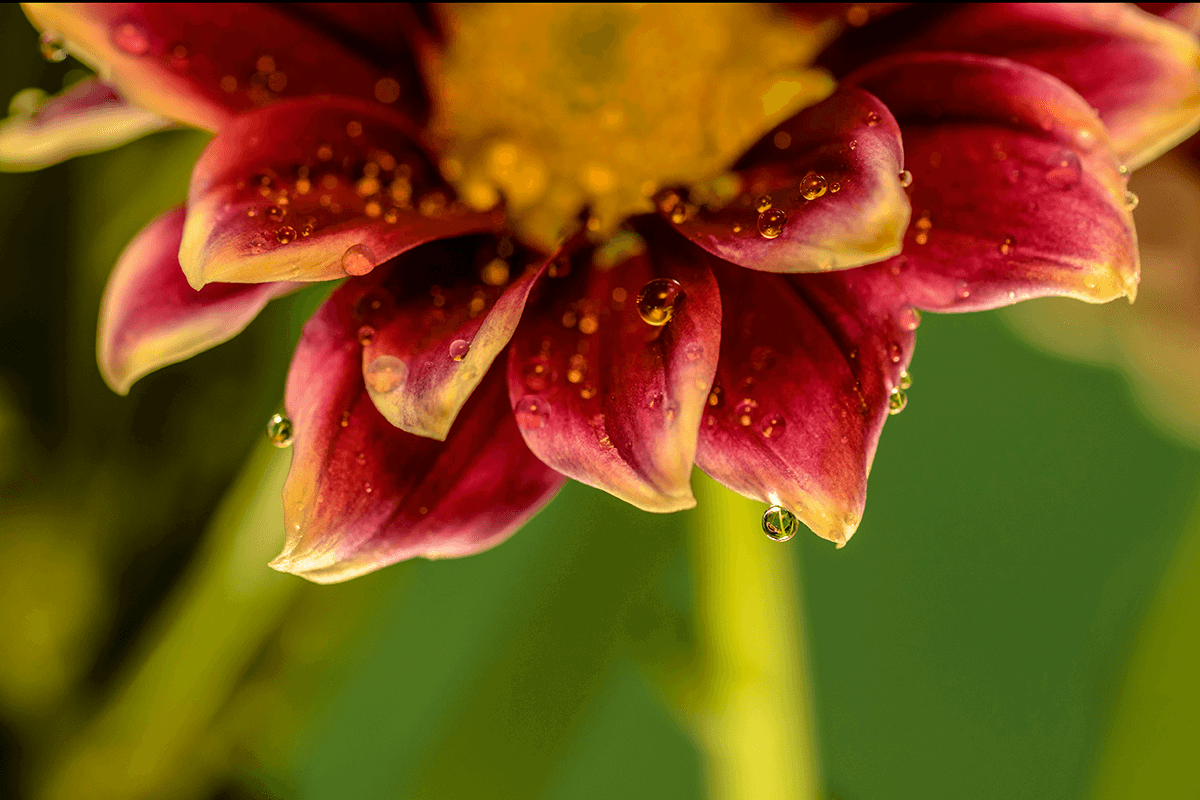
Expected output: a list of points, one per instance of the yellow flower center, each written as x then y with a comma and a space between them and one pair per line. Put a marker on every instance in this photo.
558, 108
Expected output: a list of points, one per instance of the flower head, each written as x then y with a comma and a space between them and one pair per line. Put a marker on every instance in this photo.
610, 244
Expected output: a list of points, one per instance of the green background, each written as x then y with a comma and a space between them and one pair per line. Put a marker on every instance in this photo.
969, 642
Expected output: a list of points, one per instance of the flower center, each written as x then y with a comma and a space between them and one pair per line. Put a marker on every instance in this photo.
558, 108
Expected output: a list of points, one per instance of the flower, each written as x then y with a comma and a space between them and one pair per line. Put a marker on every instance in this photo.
750, 309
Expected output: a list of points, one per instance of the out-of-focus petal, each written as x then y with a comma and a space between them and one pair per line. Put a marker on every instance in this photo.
150, 317
201, 63
84, 118
431, 323
600, 394
805, 379
819, 192
311, 190
1185, 15
363, 494
1016, 190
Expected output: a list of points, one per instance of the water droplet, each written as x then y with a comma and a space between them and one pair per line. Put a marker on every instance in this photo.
495, 273
716, 397
587, 392
531, 412
745, 412
345, 419
897, 401
873, 119
771, 222
386, 374
1085, 138
275, 213
905, 380
693, 351
459, 348
1131, 201
285, 235
910, 318
657, 300
813, 186
1006, 245
279, 431
1064, 170
772, 427
131, 37
906, 179
762, 357
358, 260
366, 335
538, 374
835, 187
962, 290
780, 524
52, 48
654, 400
1123, 170
577, 367
762, 203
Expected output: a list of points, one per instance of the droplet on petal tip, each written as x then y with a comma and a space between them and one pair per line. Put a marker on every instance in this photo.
779, 524
279, 431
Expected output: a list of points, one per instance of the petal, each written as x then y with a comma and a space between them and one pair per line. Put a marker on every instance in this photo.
846, 151
150, 317
283, 193
201, 63
432, 321
362, 494
601, 395
1016, 191
808, 364
85, 118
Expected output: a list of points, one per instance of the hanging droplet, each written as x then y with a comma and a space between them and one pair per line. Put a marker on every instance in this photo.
459, 348
779, 524
906, 179
813, 186
358, 260
52, 48
1006, 245
386, 374
905, 380
897, 401
910, 318
131, 37
279, 430
286, 235
531, 412
762, 203
657, 300
1131, 201
771, 222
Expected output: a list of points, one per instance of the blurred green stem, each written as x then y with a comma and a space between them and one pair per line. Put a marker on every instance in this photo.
142, 743
752, 699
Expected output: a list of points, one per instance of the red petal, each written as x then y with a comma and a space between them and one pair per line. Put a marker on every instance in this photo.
604, 397
85, 118
850, 146
150, 317
363, 494
201, 63
431, 328
286, 192
1016, 192
808, 364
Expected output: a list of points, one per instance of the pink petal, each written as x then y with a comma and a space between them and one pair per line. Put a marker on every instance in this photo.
432, 321
601, 395
85, 118
150, 317
1016, 190
201, 63
363, 494
312, 190
847, 151
808, 364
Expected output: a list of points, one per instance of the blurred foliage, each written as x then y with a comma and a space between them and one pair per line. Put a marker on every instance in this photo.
970, 642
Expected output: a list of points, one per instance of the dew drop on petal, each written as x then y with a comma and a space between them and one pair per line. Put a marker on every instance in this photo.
52, 48
577, 367
762, 203
905, 380
459, 348
779, 524
366, 335
894, 352
873, 119
1006, 245
771, 223
813, 186
386, 374
286, 235
280, 431
531, 412
657, 301
910, 318
275, 213
358, 260
1131, 201
538, 375
131, 38
906, 179
962, 290
897, 401
1064, 170
745, 412
772, 427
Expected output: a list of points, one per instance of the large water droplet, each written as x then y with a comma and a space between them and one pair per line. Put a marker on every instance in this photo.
358, 260
459, 348
771, 222
386, 374
780, 524
531, 412
52, 48
897, 401
279, 430
1064, 170
657, 301
131, 37
813, 186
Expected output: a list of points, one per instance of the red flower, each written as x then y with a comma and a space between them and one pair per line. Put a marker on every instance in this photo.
758, 328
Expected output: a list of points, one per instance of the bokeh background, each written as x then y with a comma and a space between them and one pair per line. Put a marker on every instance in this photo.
1027, 545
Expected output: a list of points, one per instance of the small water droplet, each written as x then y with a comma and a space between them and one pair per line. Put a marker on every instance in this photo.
962, 290
286, 235
1131, 201
762, 203
275, 213
905, 380
716, 397
459, 348
906, 179
280, 431
835, 187
894, 352
779, 524
693, 351
873, 119
771, 223
1123, 170
52, 48
657, 301
587, 392
386, 374
131, 37
538, 374
358, 260
366, 335
897, 401
531, 412
745, 412
1064, 170
813, 186
1006, 245
577, 367
772, 427
910, 318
